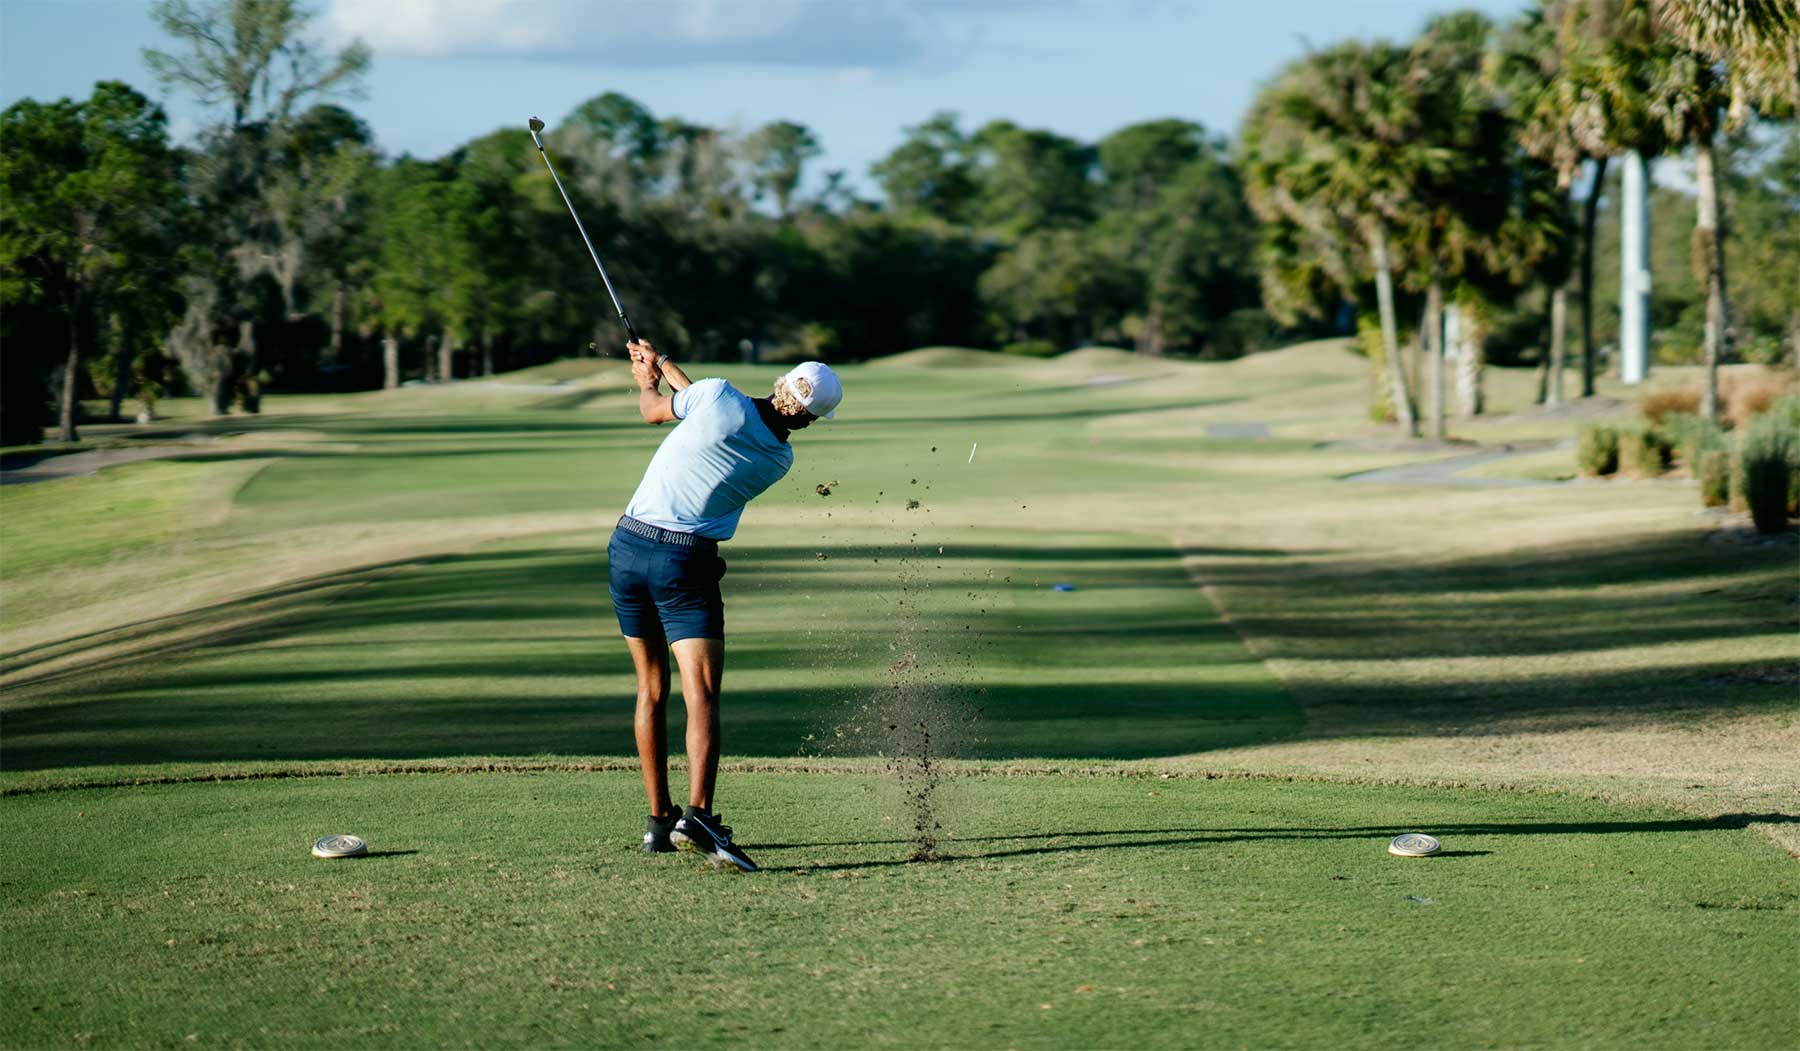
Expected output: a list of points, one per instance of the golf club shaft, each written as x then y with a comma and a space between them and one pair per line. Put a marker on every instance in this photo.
630, 332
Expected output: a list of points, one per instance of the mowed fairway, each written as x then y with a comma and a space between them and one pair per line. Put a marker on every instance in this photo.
386, 614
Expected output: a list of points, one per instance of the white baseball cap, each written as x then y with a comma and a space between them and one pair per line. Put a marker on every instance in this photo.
816, 387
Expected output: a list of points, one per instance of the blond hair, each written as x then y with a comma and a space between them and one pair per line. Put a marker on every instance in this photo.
787, 401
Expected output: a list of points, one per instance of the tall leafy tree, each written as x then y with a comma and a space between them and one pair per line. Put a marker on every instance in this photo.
931, 172
256, 61
1733, 58
418, 259
846, 282
316, 196
1531, 74
1030, 179
319, 198
616, 145
1136, 162
778, 153
1573, 74
251, 56
506, 235
1765, 204
1458, 203
89, 188
1051, 285
699, 170
1485, 220
1173, 215
1335, 148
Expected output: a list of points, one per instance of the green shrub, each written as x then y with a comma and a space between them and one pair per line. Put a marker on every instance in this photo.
1734, 488
1689, 437
1642, 453
1031, 348
1243, 331
1597, 451
1368, 344
1713, 469
1787, 407
1768, 471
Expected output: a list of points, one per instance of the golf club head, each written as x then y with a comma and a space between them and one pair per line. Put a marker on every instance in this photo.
536, 126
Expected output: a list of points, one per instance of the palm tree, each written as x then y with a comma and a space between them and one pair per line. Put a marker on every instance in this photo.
1730, 57
1526, 234
1572, 74
1526, 69
1756, 41
1459, 206
1333, 151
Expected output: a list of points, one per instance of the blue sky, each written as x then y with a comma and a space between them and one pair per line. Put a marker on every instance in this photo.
855, 71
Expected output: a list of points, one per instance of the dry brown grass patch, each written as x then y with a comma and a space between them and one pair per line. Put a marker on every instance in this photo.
1752, 396
1741, 397
1659, 404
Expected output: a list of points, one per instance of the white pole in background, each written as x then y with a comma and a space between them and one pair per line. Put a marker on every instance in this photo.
1634, 272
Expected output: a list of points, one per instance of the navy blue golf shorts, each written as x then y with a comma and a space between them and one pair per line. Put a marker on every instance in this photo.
664, 590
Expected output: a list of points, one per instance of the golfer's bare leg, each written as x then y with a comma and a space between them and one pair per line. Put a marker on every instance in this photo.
651, 658
702, 671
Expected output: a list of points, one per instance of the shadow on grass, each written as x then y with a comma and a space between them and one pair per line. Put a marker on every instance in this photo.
550, 583
507, 675
1150, 838
302, 672
1560, 599
180, 721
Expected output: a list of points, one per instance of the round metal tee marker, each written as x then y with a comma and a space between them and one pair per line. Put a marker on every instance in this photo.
340, 847
1414, 845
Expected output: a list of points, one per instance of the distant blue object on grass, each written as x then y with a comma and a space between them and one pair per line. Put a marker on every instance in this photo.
1062, 587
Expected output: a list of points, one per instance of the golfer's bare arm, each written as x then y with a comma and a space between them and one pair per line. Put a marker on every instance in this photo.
653, 405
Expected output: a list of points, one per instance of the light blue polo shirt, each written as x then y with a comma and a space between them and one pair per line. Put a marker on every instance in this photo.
717, 459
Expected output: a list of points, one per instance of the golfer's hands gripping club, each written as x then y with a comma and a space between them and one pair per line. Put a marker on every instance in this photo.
643, 366
649, 367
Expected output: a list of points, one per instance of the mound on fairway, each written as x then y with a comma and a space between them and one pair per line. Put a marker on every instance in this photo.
1111, 358
941, 358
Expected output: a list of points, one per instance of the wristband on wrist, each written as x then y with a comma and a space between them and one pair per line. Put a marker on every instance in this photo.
660, 359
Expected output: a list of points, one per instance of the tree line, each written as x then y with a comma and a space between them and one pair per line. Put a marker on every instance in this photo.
1444, 167
1396, 183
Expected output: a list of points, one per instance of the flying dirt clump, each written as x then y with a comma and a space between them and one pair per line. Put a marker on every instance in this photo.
921, 715
824, 488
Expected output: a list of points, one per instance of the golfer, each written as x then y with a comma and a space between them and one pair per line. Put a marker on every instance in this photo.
725, 450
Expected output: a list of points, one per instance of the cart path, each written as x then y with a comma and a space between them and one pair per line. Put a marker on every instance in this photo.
1255, 431
1448, 471
74, 465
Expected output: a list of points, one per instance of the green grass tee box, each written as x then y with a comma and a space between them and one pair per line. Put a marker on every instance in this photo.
1072, 912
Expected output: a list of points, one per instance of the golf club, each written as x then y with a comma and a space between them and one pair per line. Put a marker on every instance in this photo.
536, 126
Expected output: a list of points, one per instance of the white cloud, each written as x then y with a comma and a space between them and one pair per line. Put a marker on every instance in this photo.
815, 33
